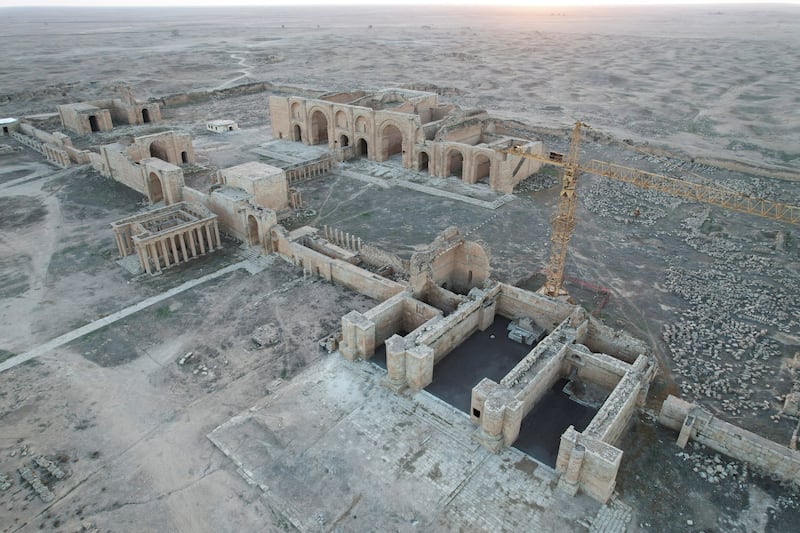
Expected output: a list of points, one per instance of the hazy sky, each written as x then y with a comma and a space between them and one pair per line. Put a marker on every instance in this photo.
554, 3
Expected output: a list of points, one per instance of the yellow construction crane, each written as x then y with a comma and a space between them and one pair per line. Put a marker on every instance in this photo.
563, 222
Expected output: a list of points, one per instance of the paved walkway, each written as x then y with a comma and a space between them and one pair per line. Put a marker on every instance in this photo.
110, 319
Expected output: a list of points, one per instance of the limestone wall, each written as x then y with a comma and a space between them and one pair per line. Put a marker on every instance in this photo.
700, 425
601, 338
452, 330
599, 369
613, 417
547, 313
387, 317
123, 170
376, 257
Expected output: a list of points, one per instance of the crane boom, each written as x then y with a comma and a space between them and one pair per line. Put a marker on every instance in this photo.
695, 191
563, 223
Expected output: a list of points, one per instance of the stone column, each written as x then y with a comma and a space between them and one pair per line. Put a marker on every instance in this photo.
118, 240
216, 234
174, 249
395, 363
163, 243
210, 239
572, 475
419, 367
200, 241
154, 255
144, 258
190, 234
183, 247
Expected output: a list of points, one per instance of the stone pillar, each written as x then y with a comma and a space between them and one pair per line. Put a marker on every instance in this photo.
419, 367
183, 246
154, 254
512, 421
216, 234
144, 258
163, 243
573, 473
396, 363
200, 241
190, 234
358, 336
174, 249
120, 247
210, 238
492, 417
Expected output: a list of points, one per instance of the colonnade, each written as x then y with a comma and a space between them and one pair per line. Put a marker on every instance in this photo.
166, 250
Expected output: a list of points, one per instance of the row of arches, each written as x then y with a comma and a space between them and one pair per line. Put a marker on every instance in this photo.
454, 165
390, 142
391, 138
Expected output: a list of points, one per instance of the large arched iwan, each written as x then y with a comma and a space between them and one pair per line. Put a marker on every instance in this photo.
483, 167
455, 163
154, 188
391, 141
319, 127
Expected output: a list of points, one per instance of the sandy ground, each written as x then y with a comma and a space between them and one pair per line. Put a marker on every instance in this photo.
712, 82
128, 423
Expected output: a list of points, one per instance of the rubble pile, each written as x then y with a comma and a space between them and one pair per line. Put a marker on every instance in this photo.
721, 342
536, 182
5, 481
45, 494
45, 463
714, 468
627, 203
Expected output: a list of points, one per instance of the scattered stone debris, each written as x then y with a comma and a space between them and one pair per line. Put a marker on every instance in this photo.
721, 343
54, 470
201, 369
36, 484
266, 335
5, 481
330, 343
714, 468
536, 182
182, 361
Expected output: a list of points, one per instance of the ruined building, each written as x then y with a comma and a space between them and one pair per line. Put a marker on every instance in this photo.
101, 115
428, 136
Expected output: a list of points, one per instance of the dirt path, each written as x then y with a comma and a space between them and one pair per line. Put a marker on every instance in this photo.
245, 70
110, 319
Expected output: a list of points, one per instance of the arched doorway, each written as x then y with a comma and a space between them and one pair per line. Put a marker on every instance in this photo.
156, 151
482, 168
156, 192
363, 148
298, 133
344, 141
93, 123
423, 161
252, 231
392, 141
319, 128
145, 115
455, 163
184, 157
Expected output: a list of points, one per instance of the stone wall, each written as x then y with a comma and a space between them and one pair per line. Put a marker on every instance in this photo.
546, 312
694, 422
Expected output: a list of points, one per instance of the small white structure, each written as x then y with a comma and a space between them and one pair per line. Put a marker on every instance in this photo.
7, 125
222, 126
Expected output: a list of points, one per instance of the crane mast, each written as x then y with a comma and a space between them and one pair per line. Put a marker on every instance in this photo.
564, 220
563, 223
